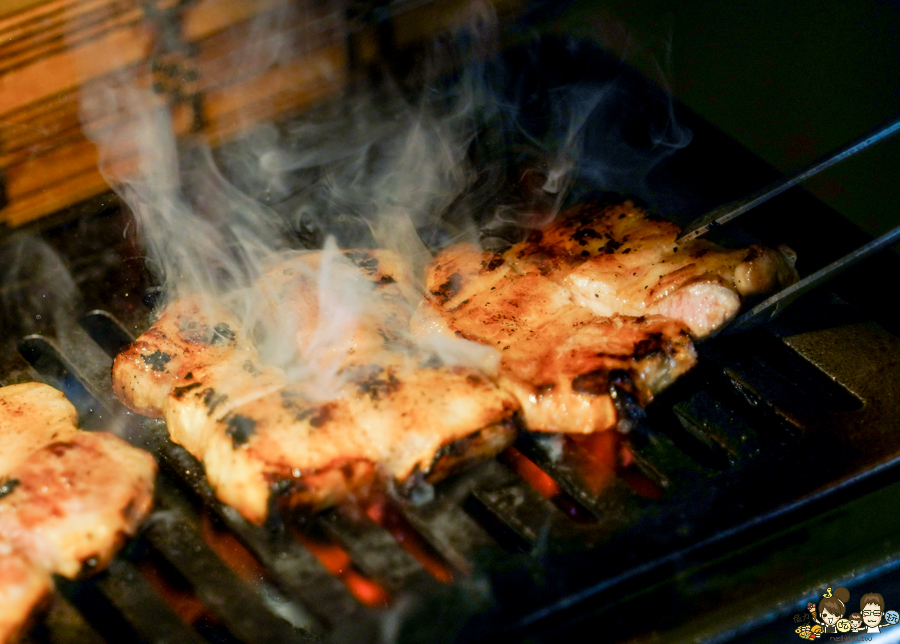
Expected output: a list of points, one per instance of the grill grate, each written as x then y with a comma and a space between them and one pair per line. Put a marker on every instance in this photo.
771, 427
733, 420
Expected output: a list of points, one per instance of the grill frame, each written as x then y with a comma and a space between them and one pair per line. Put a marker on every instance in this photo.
557, 582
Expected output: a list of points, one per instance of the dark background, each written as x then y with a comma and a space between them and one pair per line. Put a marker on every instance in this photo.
791, 80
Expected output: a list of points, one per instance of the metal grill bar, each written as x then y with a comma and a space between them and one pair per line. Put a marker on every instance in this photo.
151, 617
503, 505
240, 609
615, 504
446, 526
516, 505
657, 456
375, 551
709, 420
294, 569
14, 369
710, 442
100, 607
62, 624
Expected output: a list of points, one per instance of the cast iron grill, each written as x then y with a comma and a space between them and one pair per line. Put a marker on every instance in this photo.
739, 448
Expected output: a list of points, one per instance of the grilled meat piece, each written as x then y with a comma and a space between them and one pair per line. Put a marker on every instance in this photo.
352, 400
67, 497
147, 370
23, 588
617, 260
600, 298
558, 358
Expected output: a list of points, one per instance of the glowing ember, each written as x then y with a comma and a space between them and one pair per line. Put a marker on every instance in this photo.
383, 512
337, 561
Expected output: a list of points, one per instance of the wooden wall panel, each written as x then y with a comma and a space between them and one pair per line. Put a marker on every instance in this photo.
56, 52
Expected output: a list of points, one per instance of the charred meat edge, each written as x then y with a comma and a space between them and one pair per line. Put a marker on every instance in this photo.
355, 477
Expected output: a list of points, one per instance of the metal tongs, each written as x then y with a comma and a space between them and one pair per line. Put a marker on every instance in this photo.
773, 306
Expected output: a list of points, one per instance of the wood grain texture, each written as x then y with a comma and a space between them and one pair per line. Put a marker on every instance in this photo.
191, 54
54, 54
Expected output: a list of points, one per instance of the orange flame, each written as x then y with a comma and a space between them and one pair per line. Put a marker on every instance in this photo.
528, 470
181, 599
337, 561
384, 512
601, 457
231, 551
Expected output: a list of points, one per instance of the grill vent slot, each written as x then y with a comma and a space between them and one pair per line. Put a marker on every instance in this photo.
768, 374
740, 421
106, 331
59, 372
712, 421
680, 428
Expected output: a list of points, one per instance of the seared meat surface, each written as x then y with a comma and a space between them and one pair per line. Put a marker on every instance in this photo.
600, 298
617, 260
557, 357
320, 381
342, 398
68, 498
23, 587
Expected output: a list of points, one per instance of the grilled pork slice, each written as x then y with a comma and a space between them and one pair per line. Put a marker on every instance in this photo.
23, 588
67, 498
602, 297
617, 260
558, 358
147, 370
353, 400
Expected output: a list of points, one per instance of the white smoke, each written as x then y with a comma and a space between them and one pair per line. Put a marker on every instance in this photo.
377, 166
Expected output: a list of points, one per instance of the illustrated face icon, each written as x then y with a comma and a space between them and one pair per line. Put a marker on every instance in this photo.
871, 615
829, 618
